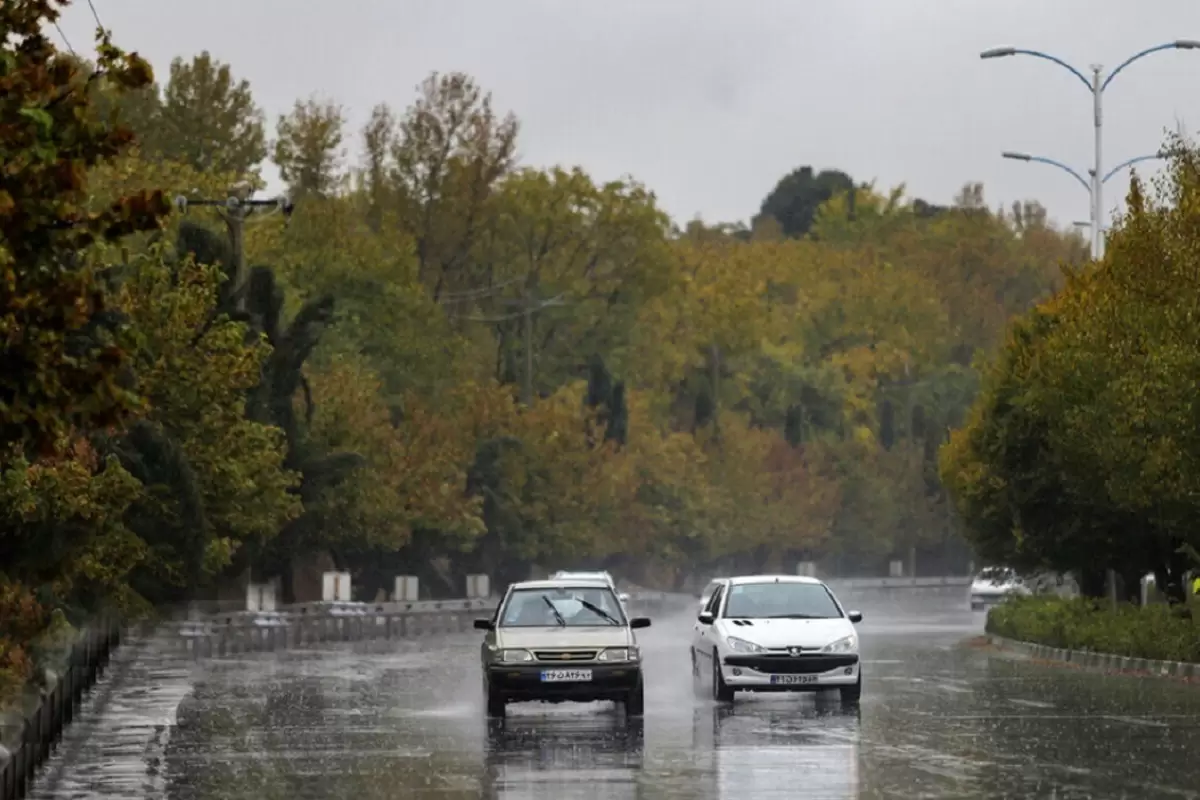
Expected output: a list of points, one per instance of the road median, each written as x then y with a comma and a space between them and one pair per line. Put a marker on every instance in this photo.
1152, 640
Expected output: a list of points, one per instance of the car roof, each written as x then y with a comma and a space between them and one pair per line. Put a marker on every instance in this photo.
566, 573
564, 583
742, 580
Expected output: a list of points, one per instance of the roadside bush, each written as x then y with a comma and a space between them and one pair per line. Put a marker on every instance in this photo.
1156, 631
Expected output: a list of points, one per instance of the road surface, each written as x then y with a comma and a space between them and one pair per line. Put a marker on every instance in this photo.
938, 720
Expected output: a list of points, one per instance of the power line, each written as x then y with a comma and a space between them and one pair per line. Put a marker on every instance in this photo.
66, 41
95, 16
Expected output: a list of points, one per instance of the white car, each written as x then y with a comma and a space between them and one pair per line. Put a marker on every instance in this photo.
566, 575
775, 633
993, 584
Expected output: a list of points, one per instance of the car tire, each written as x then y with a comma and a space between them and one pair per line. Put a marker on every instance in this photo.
635, 701
721, 691
497, 704
851, 695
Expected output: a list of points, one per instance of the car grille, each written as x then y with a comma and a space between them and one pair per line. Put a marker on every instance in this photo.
808, 664
565, 655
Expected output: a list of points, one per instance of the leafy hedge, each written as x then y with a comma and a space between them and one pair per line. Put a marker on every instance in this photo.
1155, 631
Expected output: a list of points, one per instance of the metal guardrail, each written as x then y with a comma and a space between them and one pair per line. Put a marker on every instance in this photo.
305, 624
43, 730
899, 583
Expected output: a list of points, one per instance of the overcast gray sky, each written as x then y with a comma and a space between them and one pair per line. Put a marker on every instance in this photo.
710, 102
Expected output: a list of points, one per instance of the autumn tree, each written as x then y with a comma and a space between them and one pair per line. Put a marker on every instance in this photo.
1080, 453
449, 151
61, 367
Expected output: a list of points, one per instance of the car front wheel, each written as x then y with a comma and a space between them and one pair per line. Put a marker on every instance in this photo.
635, 701
721, 691
852, 694
496, 703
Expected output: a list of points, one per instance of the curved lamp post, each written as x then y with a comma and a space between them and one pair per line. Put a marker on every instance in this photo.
1087, 185
1096, 86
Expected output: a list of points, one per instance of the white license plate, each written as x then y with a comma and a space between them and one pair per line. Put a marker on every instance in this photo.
563, 675
789, 680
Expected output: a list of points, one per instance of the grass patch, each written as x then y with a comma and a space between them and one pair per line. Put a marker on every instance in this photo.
1156, 631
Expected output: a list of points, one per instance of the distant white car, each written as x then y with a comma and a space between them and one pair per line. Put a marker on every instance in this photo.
775, 633
993, 584
566, 575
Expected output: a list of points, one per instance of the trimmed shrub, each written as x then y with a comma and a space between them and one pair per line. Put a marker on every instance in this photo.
1156, 631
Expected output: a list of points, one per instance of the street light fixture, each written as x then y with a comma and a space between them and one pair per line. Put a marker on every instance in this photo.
1096, 86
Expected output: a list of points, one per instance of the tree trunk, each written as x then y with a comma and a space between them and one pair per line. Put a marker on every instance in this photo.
1093, 583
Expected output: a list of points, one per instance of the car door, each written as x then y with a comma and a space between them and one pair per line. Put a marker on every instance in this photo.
702, 635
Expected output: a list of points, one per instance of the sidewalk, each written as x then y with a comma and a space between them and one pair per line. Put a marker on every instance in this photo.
116, 745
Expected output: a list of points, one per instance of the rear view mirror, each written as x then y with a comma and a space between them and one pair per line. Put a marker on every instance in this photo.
639, 622
483, 625
623, 597
705, 618
854, 616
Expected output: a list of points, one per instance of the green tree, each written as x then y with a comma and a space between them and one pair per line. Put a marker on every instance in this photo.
308, 149
209, 120
794, 201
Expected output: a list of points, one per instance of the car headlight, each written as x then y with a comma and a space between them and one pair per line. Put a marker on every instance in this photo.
619, 654
742, 646
515, 656
847, 644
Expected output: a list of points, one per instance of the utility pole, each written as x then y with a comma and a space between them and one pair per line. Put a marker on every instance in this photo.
234, 210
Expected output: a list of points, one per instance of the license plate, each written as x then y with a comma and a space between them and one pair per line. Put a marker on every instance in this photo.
788, 680
563, 675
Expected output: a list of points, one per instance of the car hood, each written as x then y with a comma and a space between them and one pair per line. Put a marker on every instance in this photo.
555, 636
787, 632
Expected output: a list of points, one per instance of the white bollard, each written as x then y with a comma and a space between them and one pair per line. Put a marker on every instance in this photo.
335, 587
407, 589
478, 586
260, 597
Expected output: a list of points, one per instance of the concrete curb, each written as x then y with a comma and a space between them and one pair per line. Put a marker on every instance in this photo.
1106, 662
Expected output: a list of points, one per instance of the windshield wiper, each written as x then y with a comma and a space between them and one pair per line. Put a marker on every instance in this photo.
600, 611
562, 623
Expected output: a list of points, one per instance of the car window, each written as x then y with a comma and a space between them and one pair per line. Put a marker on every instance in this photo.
783, 599
535, 608
707, 594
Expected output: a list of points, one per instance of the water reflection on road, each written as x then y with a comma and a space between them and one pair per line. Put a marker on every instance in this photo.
937, 720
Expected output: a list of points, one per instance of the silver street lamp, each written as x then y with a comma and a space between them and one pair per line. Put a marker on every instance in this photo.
1096, 86
1087, 185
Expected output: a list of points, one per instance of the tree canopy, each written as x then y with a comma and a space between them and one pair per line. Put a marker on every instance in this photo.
447, 361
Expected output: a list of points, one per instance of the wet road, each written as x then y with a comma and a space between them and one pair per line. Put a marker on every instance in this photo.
937, 720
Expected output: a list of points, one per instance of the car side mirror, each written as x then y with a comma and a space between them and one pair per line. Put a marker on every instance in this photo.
639, 622
484, 625
623, 597
854, 616
705, 618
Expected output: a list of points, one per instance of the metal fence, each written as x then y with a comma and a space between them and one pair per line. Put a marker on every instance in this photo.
298, 626
88, 659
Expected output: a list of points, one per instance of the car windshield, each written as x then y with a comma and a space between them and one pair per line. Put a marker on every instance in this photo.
785, 600
561, 606
996, 574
